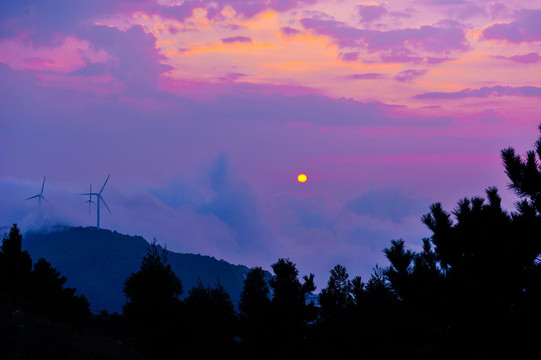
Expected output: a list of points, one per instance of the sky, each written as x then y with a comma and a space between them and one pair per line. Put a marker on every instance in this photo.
204, 113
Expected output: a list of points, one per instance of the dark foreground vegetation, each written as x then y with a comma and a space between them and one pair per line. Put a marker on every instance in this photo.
474, 291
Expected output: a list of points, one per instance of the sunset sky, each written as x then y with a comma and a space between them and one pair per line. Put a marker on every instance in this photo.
204, 113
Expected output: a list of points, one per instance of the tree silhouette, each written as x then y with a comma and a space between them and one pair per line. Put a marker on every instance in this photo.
15, 263
400, 270
154, 286
483, 275
212, 321
525, 175
153, 308
254, 311
39, 317
336, 297
334, 327
289, 310
51, 297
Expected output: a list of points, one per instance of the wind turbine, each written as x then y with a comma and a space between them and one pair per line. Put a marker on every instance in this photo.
89, 201
100, 198
40, 195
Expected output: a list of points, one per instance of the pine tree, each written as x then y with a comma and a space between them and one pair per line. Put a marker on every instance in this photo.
51, 297
525, 175
155, 286
289, 310
153, 310
254, 307
212, 321
336, 297
15, 263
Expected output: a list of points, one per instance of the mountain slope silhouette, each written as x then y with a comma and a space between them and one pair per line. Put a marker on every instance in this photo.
97, 261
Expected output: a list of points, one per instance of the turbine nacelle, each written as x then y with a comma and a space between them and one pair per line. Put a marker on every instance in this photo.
90, 201
40, 195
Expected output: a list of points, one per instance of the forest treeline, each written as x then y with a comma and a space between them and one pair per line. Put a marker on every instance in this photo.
474, 291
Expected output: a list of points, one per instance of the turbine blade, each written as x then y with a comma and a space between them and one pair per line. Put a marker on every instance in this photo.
42, 185
87, 194
33, 197
103, 187
104, 203
45, 200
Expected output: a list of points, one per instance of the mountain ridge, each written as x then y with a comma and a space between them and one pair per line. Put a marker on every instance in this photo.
97, 262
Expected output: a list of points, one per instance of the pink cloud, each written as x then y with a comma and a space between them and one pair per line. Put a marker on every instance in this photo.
69, 54
525, 28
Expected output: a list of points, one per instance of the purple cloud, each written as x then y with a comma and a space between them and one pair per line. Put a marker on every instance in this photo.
442, 37
497, 10
367, 76
350, 56
370, 13
410, 74
138, 65
433, 60
246, 8
526, 91
289, 31
48, 21
232, 76
237, 39
343, 34
530, 58
233, 27
525, 28
400, 55
45, 21
465, 11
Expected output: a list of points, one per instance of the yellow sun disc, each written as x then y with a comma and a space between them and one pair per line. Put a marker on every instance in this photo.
302, 178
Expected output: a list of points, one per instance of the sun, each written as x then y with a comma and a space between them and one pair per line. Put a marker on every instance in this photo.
302, 178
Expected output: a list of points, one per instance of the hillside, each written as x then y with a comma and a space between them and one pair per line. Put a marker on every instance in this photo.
97, 261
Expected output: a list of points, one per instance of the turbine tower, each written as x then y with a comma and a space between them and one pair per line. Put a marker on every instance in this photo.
40, 195
100, 199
